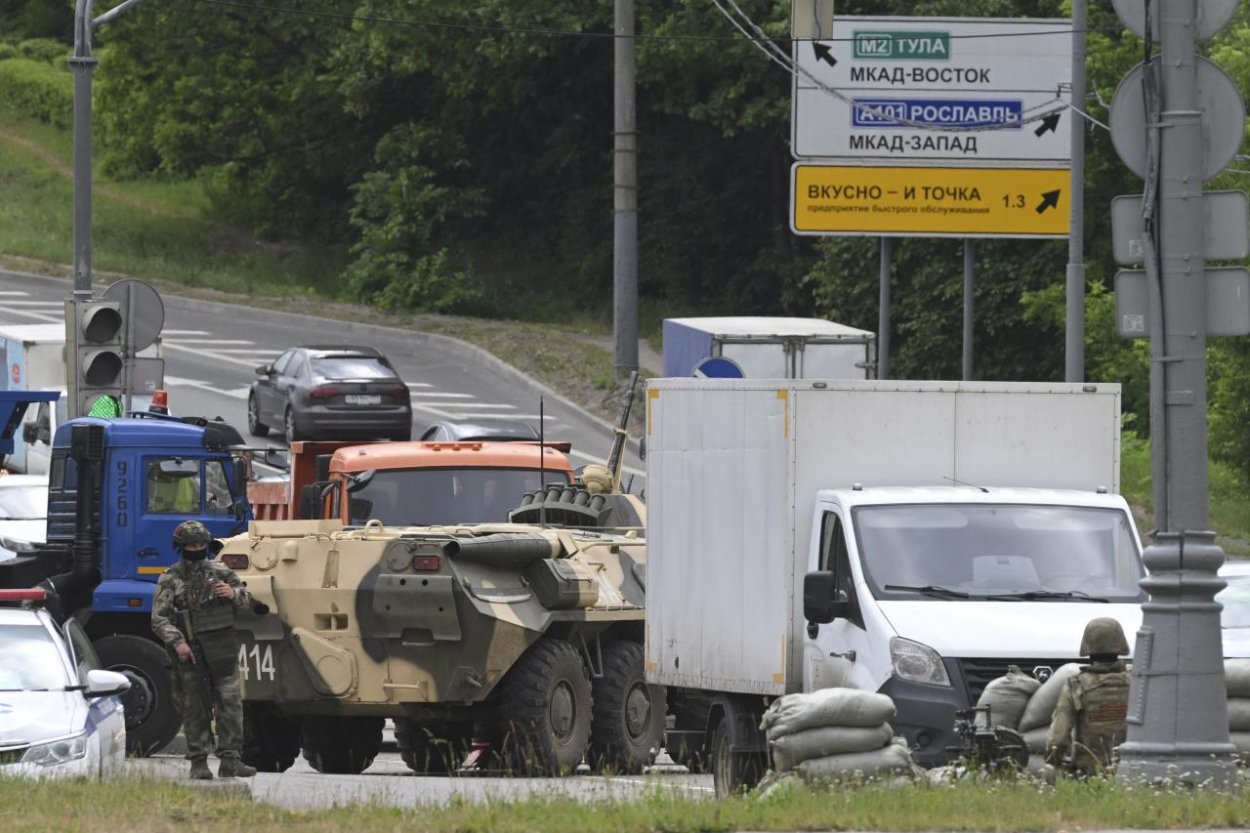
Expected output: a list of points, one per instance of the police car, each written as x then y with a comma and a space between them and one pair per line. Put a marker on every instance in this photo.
60, 713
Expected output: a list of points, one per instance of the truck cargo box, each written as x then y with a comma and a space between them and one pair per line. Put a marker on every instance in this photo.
733, 469
768, 347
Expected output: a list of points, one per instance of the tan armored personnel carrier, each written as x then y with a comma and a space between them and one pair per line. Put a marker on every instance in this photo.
526, 635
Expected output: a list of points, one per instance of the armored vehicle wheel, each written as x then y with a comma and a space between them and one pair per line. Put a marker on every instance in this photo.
627, 722
254, 426
341, 745
433, 748
270, 740
153, 714
544, 710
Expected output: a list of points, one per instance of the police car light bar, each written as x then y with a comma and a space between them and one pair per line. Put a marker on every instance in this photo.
34, 594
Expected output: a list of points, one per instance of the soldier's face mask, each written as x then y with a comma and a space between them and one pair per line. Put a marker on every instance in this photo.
198, 554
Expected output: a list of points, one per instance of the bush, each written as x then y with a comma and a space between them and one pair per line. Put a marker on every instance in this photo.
38, 91
44, 51
7, 51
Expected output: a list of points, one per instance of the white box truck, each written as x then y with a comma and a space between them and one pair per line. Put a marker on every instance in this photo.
766, 347
34, 359
912, 538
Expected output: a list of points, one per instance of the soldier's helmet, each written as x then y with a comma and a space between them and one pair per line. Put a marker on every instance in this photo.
190, 533
1103, 636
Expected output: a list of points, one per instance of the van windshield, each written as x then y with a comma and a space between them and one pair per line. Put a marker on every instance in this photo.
423, 497
990, 552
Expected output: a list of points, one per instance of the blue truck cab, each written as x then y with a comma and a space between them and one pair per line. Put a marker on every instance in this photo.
117, 488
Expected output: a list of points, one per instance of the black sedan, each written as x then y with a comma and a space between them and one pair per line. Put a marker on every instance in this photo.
330, 392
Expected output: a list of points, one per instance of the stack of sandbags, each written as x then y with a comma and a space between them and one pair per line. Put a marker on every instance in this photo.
1006, 698
835, 733
1035, 721
1018, 701
1237, 680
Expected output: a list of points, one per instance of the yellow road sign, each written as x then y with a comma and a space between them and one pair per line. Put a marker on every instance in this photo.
929, 202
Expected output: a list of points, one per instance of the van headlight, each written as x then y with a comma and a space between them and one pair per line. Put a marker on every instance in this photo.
917, 663
56, 752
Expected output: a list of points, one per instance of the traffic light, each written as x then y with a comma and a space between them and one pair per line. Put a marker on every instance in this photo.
94, 343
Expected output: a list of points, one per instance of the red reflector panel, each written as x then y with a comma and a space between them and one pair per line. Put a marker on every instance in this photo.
34, 594
236, 562
425, 563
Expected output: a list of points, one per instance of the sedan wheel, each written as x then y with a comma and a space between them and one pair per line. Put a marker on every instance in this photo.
254, 426
292, 433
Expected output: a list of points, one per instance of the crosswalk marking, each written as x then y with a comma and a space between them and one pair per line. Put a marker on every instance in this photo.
418, 384
444, 395
211, 340
461, 406
185, 332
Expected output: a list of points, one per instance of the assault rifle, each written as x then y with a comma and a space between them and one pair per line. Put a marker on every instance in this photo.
995, 749
202, 672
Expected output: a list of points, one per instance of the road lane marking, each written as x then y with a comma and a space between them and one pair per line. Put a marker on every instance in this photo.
441, 395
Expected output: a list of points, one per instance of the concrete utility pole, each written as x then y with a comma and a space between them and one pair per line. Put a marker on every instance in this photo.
1178, 708
625, 195
1074, 332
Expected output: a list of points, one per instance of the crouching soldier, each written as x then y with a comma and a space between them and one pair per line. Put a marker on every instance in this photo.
1089, 721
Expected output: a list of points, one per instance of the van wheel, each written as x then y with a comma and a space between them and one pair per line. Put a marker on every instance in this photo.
254, 426
732, 772
627, 722
342, 745
152, 713
544, 712
271, 741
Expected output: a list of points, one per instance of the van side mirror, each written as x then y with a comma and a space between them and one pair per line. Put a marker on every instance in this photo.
822, 601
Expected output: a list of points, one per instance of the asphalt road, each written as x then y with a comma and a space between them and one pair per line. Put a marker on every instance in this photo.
388, 782
211, 351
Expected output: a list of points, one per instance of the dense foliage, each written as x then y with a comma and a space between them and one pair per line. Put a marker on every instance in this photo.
462, 154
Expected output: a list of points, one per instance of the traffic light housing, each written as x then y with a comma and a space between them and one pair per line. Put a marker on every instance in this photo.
95, 344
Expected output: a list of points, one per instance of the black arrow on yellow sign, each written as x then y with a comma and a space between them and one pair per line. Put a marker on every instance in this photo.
1050, 199
824, 52
1050, 123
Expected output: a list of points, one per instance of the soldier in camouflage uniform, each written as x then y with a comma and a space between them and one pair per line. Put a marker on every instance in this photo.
1089, 719
193, 613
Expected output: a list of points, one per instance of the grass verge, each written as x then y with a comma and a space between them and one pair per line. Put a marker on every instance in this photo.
147, 806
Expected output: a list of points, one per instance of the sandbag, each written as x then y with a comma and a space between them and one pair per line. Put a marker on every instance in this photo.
891, 759
791, 750
792, 713
1237, 677
1035, 739
1239, 714
1042, 704
1007, 696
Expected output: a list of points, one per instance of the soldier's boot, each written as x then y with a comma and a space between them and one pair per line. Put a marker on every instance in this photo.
235, 768
200, 770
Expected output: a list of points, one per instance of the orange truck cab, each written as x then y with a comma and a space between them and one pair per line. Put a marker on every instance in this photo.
410, 483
